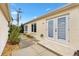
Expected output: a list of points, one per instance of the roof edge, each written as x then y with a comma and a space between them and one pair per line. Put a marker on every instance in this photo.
5, 10
54, 11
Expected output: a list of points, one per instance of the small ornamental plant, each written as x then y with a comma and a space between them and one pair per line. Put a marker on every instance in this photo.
14, 34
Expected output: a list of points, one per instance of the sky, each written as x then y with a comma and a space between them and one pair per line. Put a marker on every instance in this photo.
32, 10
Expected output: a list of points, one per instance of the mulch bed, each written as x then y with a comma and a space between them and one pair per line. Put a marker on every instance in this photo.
9, 48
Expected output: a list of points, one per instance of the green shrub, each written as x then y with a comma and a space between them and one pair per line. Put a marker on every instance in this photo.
14, 33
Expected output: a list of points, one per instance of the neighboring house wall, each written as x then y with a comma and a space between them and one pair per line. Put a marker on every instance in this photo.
3, 27
66, 47
3, 31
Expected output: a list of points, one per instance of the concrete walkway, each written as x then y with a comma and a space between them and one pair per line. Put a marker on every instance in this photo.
25, 41
29, 47
33, 50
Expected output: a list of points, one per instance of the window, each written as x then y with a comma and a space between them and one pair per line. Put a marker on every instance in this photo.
34, 28
62, 28
26, 28
50, 28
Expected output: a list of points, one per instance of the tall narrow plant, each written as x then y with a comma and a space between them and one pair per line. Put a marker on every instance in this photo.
14, 34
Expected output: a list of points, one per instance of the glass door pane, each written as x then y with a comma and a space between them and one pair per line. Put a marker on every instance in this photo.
62, 28
50, 28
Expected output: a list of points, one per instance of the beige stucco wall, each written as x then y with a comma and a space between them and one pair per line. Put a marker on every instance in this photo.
3, 31
61, 48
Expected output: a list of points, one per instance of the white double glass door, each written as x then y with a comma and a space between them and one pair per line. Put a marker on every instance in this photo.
52, 28
58, 28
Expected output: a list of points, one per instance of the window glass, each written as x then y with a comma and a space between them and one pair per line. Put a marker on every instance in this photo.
26, 28
62, 28
32, 28
35, 27
50, 28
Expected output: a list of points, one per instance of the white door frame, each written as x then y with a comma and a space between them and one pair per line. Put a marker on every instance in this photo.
55, 29
48, 29
67, 30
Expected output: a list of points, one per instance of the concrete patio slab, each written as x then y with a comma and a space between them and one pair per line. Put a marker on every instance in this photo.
47, 53
25, 43
38, 48
34, 50
25, 52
